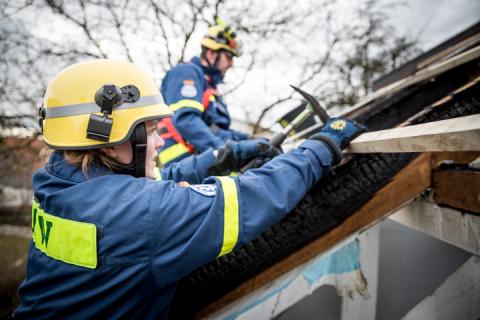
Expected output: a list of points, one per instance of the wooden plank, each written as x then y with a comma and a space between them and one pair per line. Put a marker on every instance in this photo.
449, 97
449, 51
445, 224
458, 189
453, 157
405, 186
297, 138
412, 66
458, 134
424, 74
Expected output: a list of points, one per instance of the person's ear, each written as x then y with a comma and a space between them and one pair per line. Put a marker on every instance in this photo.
112, 152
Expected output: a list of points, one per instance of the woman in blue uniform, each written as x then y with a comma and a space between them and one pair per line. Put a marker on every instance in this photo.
110, 241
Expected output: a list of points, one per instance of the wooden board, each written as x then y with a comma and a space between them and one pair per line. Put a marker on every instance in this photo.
404, 187
445, 224
459, 134
458, 189
437, 158
424, 74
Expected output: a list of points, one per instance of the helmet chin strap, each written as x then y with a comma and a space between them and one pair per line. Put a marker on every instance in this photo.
215, 62
138, 140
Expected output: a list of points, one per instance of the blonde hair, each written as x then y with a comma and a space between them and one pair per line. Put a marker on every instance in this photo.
82, 158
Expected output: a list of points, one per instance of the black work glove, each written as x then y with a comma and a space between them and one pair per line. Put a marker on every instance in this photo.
234, 155
337, 133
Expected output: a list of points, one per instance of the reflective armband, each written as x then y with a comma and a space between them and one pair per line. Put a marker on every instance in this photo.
62, 239
187, 104
230, 215
172, 153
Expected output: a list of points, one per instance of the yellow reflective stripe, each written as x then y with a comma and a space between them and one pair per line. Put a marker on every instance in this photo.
172, 152
157, 174
187, 104
63, 239
212, 98
230, 215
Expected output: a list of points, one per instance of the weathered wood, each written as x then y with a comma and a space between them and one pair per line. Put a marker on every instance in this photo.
458, 134
424, 74
466, 157
445, 224
449, 51
446, 99
458, 189
405, 186
296, 139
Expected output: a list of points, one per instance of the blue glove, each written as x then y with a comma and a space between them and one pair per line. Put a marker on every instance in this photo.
244, 151
337, 133
236, 154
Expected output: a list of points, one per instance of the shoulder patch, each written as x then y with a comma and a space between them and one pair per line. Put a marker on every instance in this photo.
188, 90
208, 190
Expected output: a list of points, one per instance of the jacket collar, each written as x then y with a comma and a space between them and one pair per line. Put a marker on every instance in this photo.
58, 166
212, 73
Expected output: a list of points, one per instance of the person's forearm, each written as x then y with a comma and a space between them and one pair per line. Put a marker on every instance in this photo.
193, 169
268, 193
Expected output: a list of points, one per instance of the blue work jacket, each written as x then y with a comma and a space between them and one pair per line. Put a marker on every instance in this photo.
111, 246
202, 119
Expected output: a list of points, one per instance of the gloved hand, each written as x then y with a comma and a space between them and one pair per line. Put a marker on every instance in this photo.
236, 154
337, 133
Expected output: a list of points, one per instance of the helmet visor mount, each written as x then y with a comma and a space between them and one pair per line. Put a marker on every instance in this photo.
108, 97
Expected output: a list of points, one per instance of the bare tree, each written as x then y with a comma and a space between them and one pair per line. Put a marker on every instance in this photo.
376, 50
311, 46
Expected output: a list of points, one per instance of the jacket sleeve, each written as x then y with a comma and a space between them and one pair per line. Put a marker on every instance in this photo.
191, 226
231, 134
193, 169
194, 130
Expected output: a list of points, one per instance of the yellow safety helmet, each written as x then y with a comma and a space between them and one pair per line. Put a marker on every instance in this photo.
98, 103
221, 37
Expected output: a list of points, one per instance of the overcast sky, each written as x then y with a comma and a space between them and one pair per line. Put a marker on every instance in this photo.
431, 21
434, 21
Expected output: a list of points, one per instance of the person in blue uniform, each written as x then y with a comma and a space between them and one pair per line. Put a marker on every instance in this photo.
201, 119
110, 241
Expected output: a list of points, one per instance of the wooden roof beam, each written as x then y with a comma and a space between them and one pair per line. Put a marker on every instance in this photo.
457, 188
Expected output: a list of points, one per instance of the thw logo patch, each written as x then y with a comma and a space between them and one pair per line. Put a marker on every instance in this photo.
44, 225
